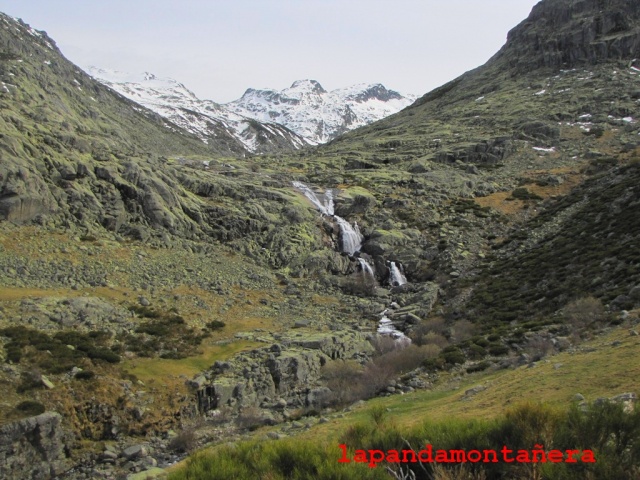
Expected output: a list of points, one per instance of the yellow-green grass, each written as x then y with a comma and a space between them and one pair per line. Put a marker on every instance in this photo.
159, 369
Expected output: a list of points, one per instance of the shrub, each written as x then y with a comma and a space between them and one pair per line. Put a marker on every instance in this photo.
462, 330
216, 325
430, 338
479, 367
583, 312
453, 357
476, 352
184, 442
498, 349
522, 193
383, 344
250, 418
84, 375
30, 407
378, 414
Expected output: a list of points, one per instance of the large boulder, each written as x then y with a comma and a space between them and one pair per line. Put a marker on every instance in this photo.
33, 448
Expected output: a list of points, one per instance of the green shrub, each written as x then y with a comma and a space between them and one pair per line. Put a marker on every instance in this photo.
216, 325
30, 407
84, 375
498, 349
453, 357
184, 442
480, 367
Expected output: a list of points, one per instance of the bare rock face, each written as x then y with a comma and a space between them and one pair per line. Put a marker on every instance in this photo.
570, 33
289, 371
24, 195
33, 448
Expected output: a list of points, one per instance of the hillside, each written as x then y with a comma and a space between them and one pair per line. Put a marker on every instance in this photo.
161, 294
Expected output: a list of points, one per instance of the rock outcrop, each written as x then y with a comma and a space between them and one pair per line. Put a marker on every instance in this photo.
33, 448
570, 33
284, 374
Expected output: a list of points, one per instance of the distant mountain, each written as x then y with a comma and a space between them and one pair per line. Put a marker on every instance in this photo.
206, 119
264, 121
318, 115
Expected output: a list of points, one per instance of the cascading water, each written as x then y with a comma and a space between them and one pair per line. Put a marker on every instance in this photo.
351, 238
397, 278
386, 327
367, 270
351, 242
326, 207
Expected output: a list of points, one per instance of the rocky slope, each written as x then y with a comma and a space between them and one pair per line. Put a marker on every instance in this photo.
207, 120
317, 115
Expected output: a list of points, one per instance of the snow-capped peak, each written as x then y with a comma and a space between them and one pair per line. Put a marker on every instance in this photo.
204, 118
311, 86
318, 115
305, 113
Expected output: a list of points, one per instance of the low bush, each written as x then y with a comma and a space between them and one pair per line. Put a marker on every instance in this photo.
184, 442
216, 325
30, 407
66, 348
84, 375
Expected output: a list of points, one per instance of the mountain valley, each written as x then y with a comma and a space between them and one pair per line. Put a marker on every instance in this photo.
178, 274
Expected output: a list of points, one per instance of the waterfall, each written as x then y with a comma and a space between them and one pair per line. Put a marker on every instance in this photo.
350, 236
367, 270
328, 202
397, 278
386, 327
326, 207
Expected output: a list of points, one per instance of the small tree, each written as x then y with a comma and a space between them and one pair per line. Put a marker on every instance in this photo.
583, 312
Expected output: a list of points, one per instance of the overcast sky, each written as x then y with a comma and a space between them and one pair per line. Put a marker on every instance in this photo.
219, 48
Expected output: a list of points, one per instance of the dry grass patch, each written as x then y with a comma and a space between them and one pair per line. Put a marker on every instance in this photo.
499, 202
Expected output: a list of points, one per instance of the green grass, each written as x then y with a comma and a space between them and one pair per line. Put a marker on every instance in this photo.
147, 369
286, 459
606, 431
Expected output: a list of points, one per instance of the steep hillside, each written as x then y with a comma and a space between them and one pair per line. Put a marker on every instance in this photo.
207, 120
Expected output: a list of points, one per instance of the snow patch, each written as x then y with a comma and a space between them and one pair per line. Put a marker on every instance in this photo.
543, 149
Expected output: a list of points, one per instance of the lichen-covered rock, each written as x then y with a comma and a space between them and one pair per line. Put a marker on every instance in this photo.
33, 448
567, 33
290, 370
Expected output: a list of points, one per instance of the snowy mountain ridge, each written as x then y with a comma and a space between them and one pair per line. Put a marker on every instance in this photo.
261, 120
204, 118
317, 115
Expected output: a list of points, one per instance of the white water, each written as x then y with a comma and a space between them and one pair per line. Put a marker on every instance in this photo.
385, 327
397, 278
326, 207
367, 270
351, 238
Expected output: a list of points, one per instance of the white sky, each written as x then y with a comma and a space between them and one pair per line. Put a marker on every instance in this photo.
219, 48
